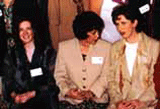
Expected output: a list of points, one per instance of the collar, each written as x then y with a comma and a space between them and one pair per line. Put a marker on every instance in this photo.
142, 45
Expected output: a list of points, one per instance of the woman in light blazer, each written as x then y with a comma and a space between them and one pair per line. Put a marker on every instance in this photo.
132, 60
82, 65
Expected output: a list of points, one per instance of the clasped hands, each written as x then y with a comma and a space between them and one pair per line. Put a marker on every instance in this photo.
80, 95
132, 104
24, 97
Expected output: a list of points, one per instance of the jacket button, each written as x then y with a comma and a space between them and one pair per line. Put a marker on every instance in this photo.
84, 70
84, 87
84, 78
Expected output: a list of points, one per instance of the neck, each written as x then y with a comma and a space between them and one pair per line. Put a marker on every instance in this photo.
84, 44
29, 45
133, 38
84, 47
8, 2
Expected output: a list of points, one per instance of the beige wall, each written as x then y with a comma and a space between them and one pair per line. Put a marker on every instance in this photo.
61, 15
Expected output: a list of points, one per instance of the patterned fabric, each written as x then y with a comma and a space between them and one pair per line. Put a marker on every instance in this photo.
140, 85
84, 105
8, 16
80, 6
3, 104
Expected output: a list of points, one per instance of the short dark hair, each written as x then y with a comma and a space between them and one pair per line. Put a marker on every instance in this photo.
85, 22
131, 13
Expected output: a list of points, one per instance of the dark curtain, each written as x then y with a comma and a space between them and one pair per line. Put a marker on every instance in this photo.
146, 18
43, 8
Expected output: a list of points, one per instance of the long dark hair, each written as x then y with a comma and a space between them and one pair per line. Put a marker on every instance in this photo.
39, 40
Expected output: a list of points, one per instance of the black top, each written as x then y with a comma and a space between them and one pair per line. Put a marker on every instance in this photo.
17, 71
84, 57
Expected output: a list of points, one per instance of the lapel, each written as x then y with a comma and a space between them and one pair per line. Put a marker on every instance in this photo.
73, 54
77, 51
123, 69
142, 54
141, 58
37, 58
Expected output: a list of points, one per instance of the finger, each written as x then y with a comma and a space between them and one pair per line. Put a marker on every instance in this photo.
24, 99
131, 106
127, 104
17, 99
31, 94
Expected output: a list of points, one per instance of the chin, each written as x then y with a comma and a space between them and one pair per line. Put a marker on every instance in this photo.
124, 36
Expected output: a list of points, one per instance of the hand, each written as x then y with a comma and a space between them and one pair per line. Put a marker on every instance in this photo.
88, 94
75, 94
132, 104
126, 105
23, 98
139, 104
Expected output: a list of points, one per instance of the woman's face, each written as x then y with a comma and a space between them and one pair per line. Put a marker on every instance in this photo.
26, 32
92, 38
126, 27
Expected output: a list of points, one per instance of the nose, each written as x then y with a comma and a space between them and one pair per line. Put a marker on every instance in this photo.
25, 32
120, 27
96, 35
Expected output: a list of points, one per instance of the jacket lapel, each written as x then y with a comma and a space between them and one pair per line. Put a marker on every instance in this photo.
137, 74
141, 56
123, 63
124, 76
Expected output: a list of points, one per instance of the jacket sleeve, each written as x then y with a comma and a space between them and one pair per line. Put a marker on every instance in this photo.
149, 96
62, 78
8, 81
50, 61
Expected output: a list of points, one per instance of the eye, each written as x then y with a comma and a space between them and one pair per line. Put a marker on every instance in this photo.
94, 32
123, 23
20, 29
29, 28
116, 24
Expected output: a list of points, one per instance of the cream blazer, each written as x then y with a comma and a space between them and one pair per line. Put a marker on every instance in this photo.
72, 72
140, 85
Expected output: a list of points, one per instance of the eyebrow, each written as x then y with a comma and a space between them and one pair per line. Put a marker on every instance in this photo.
118, 18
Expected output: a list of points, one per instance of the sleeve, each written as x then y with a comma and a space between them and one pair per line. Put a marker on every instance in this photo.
149, 96
51, 58
63, 80
100, 85
8, 81
113, 84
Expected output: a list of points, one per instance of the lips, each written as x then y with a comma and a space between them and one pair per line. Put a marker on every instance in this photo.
122, 33
26, 37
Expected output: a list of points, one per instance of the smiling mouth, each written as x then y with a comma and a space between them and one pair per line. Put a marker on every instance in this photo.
122, 33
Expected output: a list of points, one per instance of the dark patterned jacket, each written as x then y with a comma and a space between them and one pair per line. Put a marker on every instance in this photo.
17, 72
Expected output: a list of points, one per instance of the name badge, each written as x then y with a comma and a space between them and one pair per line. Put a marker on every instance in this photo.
36, 72
97, 60
144, 8
1, 13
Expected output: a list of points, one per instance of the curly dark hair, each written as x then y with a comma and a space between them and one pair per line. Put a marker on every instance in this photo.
85, 22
